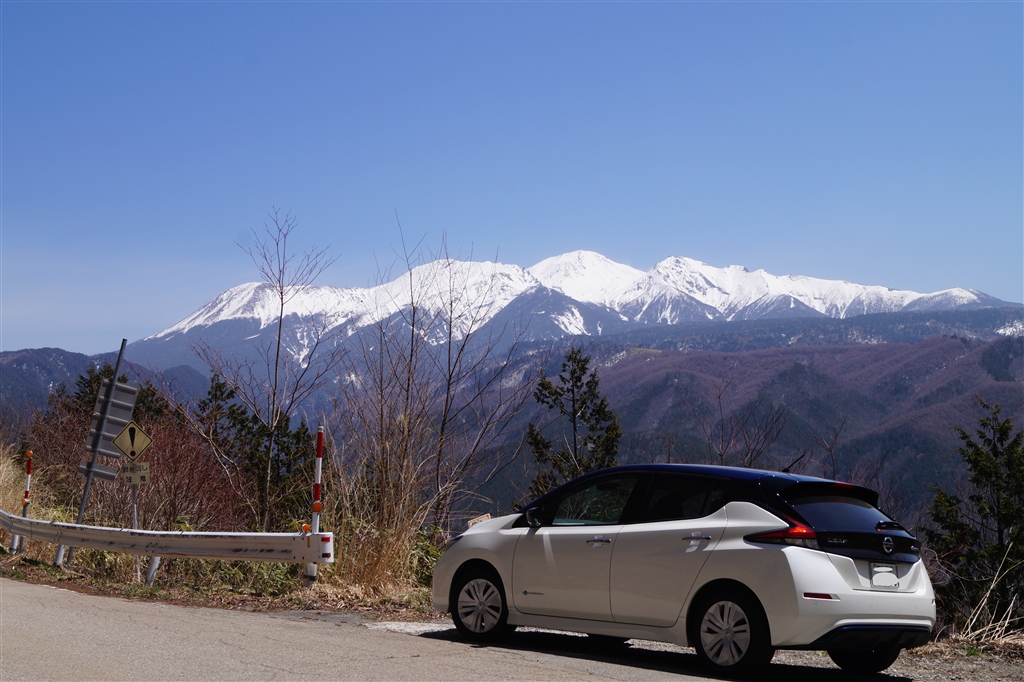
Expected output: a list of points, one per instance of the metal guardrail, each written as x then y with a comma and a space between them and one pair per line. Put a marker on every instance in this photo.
299, 548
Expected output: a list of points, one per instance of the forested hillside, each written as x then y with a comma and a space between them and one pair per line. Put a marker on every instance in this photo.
886, 410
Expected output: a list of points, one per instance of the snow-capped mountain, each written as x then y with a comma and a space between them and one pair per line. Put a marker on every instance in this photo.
586, 276
581, 292
679, 290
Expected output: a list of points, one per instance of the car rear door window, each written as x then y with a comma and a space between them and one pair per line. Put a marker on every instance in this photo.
677, 497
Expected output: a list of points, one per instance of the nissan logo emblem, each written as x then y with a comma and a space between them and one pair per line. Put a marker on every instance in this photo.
887, 545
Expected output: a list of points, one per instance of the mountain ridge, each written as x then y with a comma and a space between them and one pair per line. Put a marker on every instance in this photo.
675, 290
576, 293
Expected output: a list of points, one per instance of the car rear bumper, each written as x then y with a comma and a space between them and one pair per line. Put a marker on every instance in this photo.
868, 637
827, 611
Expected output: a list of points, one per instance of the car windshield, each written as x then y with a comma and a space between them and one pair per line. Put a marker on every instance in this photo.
838, 513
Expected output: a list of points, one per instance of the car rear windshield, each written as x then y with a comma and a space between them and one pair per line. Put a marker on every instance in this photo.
838, 513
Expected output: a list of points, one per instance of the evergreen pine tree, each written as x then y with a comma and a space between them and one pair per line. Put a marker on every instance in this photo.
589, 431
149, 404
241, 439
980, 541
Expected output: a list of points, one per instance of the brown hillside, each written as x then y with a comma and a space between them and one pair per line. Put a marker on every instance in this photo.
899, 402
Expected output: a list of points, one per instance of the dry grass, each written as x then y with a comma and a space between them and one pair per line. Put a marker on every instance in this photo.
957, 648
412, 604
352, 584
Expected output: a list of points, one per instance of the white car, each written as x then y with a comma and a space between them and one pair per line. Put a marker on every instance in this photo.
734, 562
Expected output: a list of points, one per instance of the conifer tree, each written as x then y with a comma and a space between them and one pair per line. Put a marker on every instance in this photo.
588, 430
239, 440
980, 540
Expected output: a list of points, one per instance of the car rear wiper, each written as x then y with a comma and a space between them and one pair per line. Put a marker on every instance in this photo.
889, 525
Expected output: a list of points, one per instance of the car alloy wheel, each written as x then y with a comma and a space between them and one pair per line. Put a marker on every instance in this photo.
725, 633
729, 629
479, 611
479, 605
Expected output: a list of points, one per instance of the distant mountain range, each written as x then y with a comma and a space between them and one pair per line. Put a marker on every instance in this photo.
577, 293
896, 368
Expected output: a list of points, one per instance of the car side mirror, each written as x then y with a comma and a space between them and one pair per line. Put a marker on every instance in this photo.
533, 518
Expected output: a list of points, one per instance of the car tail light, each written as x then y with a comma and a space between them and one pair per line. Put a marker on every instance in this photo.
797, 534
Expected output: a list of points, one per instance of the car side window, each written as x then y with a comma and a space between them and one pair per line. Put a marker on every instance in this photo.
676, 497
601, 502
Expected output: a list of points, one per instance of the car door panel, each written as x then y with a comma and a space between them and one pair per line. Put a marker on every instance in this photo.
655, 564
562, 567
563, 571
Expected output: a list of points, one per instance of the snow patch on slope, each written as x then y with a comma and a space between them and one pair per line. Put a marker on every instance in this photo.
1015, 328
571, 322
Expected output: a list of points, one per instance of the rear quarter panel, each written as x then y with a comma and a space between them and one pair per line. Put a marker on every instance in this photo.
762, 569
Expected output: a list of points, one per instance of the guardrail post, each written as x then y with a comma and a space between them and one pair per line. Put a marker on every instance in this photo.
18, 542
309, 575
135, 526
154, 563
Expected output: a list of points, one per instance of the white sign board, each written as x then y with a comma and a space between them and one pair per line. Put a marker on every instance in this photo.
135, 474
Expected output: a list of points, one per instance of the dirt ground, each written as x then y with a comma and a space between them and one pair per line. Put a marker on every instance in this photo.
942, 661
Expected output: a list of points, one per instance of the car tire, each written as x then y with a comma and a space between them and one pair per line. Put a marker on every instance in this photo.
730, 633
479, 610
865, 661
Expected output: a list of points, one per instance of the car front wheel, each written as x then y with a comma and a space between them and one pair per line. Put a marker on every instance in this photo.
731, 635
865, 661
480, 612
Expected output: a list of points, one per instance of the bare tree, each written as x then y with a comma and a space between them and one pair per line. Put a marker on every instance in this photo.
827, 441
741, 437
424, 402
277, 381
477, 399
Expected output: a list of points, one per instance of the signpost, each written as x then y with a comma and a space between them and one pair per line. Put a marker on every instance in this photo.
119, 408
104, 473
133, 441
113, 411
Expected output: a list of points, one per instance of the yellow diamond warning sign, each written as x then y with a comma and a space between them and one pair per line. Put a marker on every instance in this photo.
132, 441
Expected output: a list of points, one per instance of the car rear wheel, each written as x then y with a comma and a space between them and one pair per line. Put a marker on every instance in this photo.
480, 612
731, 634
865, 661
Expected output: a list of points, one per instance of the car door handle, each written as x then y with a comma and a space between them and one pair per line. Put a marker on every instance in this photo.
599, 541
697, 536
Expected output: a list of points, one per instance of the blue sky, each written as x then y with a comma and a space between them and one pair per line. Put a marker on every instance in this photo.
879, 143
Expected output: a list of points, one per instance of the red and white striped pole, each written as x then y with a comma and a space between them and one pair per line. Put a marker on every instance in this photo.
318, 505
310, 574
18, 542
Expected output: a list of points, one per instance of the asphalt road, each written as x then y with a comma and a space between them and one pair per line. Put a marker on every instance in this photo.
53, 634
